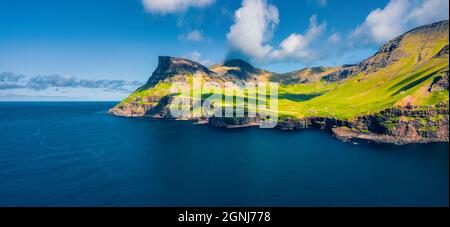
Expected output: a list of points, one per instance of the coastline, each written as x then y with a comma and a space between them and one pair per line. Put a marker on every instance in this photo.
345, 131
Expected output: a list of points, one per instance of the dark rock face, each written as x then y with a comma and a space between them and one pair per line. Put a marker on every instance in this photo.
399, 125
133, 109
443, 52
386, 55
238, 69
317, 122
414, 124
171, 66
243, 65
342, 74
233, 122
155, 107
439, 83
305, 75
390, 53
161, 110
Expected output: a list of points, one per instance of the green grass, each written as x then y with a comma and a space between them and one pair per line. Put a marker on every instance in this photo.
363, 94
359, 95
141, 95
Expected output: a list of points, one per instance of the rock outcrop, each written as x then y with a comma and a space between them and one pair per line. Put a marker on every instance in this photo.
306, 75
407, 125
443, 52
398, 125
397, 49
440, 83
233, 122
239, 70
403, 121
170, 67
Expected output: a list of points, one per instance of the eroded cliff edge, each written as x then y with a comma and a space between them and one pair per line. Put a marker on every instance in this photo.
398, 95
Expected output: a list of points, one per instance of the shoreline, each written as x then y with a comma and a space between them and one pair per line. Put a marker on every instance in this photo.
340, 131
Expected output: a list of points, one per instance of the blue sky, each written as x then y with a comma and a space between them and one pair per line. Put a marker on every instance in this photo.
103, 49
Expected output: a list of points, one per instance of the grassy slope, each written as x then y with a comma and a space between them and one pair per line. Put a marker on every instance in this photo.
365, 94
405, 81
371, 93
141, 95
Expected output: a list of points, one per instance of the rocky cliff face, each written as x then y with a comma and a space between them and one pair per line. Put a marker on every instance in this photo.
403, 121
443, 52
439, 83
169, 67
415, 42
234, 122
306, 75
152, 99
398, 125
240, 70
154, 107
413, 125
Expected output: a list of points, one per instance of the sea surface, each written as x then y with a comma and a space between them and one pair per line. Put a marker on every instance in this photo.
74, 154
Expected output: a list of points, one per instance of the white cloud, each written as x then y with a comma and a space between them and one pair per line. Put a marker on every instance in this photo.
382, 25
198, 57
11, 81
193, 36
254, 26
171, 6
334, 39
297, 46
430, 11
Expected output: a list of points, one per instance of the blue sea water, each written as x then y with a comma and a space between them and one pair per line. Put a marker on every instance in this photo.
74, 154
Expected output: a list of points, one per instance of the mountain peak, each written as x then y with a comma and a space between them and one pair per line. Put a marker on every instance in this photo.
431, 37
239, 63
440, 26
238, 68
175, 65
171, 66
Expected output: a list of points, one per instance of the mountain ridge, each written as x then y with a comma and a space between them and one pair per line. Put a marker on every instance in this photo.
238, 69
171, 66
399, 94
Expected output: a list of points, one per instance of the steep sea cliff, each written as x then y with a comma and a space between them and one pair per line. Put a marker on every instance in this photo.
398, 95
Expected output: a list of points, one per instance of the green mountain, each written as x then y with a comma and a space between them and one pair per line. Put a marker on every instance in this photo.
400, 94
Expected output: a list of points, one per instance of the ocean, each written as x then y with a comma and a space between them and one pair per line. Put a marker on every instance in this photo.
74, 154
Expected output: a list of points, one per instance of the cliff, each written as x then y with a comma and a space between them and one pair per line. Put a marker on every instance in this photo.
397, 125
417, 42
170, 67
240, 70
398, 95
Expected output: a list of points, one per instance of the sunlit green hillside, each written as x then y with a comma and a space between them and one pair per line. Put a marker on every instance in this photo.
400, 74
